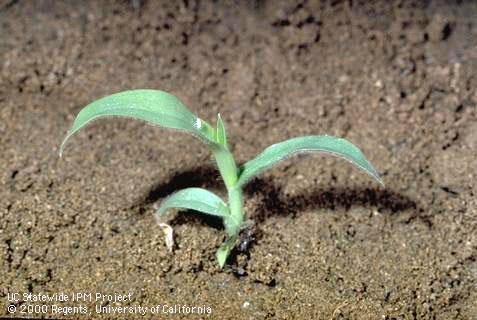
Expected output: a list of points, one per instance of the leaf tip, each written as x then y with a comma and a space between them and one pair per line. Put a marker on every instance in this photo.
62, 147
373, 173
221, 257
381, 182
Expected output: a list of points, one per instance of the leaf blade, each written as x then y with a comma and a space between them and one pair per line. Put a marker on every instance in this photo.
328, 144
220, 135
224, 250
195, 199
153, 106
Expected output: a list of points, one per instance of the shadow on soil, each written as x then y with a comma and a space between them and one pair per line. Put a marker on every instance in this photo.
273, 201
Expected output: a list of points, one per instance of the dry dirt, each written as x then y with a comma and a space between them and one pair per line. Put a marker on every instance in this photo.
398, 79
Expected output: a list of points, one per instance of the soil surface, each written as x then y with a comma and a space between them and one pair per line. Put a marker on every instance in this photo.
398, 79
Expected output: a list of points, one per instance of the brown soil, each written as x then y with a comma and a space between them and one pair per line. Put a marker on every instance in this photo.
398, 79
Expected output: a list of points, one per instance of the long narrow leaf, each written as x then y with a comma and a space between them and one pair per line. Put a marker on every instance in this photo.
196, 199
153, 106
328, 144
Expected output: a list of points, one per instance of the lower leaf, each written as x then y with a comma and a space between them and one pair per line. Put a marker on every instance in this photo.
224, 250
196, 199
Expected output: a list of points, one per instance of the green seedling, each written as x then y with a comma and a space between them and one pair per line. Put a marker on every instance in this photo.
163, 109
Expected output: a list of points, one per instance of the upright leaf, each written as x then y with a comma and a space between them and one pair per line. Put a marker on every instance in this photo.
153, 106
220, 135
328, 144
224, 250
196, 199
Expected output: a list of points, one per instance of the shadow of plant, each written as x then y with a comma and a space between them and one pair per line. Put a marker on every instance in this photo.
272, 199
275, 203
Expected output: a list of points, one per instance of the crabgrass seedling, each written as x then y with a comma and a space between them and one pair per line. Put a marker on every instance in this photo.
163, 109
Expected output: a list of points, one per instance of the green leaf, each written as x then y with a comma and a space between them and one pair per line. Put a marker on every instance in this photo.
224, 250
328, 144
196, 199
153, 106
220, 135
